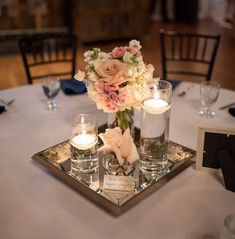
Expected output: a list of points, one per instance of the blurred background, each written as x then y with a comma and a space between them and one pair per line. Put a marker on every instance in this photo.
110, 23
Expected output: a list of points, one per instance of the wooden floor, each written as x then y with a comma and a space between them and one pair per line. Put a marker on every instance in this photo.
12, 72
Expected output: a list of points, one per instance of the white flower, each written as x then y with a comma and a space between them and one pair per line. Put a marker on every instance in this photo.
132, 72
135, 44
139, 59
80, 75
148, 74
135, 95
141, 68
88, 53
127, 57
104, 56
88, 56
92, 76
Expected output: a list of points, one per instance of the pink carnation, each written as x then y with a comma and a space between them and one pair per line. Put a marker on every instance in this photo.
103, 87
113, 96
109, 88
121, 98
109, 105
111, 101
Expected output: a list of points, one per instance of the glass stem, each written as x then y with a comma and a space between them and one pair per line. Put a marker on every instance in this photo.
208, 111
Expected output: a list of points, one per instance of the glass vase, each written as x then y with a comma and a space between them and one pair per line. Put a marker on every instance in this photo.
112, 166
123, 119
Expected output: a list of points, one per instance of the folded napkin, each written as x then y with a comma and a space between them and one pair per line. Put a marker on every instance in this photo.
174, 83
2, 109
72, 87
232, 111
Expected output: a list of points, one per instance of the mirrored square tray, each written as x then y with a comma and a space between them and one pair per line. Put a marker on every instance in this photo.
57, 160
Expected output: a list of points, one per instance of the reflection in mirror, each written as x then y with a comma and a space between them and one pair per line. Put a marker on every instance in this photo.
59, 156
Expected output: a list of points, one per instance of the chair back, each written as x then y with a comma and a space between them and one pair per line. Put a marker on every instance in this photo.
195, 54
48, 54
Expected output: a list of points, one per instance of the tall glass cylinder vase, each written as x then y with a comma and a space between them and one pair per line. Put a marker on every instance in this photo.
123, 119
154, 127
83, 144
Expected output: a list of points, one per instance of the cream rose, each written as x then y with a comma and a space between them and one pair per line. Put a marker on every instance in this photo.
121, 144
112, 137
113, 71
80, 75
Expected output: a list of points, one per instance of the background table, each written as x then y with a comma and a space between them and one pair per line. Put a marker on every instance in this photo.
35, 204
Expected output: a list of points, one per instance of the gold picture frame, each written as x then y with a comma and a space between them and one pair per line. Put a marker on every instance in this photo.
211, 139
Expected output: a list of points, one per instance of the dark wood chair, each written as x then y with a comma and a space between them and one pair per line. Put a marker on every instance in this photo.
188, 54
48, 54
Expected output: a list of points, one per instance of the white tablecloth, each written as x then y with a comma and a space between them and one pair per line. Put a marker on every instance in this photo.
35, 204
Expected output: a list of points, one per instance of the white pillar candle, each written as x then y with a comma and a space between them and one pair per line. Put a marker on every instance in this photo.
84, 141
156, 106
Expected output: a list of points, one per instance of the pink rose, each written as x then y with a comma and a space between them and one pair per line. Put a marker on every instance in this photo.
118, 52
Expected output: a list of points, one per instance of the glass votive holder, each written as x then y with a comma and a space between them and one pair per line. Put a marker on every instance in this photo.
228, 228
83, 144
154, 127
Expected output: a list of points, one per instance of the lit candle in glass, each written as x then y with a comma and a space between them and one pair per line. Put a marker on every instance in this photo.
83, 145
84, 141
154, 127
156, 106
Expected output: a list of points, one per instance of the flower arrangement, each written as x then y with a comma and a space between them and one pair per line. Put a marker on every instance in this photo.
115, 78
115, 84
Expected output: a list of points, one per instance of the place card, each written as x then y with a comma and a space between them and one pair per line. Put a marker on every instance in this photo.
120, 183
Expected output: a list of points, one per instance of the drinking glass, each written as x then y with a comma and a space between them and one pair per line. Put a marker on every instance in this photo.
51, 88
209, 93
83, 145
154, 127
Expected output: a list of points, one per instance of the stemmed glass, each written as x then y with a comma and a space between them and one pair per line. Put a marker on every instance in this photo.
209, 93
51, 88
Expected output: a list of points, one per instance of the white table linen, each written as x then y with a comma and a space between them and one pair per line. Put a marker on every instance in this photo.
35, 204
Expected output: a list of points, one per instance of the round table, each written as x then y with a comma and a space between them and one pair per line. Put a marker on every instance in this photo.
35, 204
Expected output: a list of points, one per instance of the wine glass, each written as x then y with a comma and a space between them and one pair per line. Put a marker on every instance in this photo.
51, 88
209, 93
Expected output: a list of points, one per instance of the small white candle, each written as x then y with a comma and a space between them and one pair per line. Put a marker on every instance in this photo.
84, 141
155, 106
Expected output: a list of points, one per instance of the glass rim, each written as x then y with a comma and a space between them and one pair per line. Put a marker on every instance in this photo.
212, 82
153, 81
85, 115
